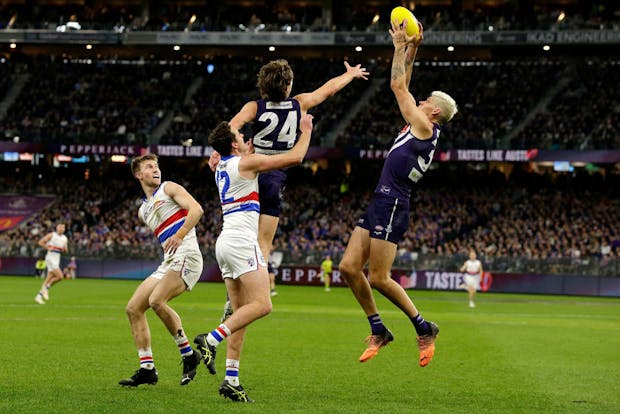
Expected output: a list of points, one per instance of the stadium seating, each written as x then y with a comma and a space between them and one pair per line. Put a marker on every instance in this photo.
485, 94
125, 101
584, 115
529, 217
291, 16
94, 102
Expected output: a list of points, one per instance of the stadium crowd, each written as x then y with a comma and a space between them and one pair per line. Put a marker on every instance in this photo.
592, 123
93, 102
291, 16
489, 107
137, 102
529, 216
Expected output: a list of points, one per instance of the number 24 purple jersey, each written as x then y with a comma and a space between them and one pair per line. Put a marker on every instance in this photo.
276, 126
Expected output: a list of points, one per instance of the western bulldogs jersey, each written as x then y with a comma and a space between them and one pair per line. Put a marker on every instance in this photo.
473, 267
406, 162
164, 217
239, 199
57, 243
276, 126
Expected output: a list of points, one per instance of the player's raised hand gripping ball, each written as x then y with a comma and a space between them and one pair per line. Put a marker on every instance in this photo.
400, 14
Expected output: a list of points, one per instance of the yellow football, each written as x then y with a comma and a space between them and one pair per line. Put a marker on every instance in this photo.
400, 14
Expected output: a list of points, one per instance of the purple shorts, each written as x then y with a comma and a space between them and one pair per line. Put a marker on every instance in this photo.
270, 189
386, 218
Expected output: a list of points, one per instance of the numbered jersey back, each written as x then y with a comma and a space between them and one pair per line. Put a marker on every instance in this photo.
276, 126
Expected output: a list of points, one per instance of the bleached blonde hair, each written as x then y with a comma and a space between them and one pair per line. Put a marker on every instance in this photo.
447, 104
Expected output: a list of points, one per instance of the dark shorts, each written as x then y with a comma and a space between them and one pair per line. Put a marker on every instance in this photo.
270, 189
270, 268
386, 218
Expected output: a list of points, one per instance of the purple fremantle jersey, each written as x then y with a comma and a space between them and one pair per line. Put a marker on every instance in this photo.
406, 162
276, 126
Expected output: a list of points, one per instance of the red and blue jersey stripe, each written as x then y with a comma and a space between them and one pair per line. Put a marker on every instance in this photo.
247, 203
170, 225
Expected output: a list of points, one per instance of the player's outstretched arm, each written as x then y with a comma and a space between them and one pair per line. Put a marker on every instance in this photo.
398, 83
331, 87
411, 52
252, 164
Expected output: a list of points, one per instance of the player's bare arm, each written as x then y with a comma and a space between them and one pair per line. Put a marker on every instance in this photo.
331, 87
252, 164
245, 115
420, 124
194, 211
44, 240
411, 52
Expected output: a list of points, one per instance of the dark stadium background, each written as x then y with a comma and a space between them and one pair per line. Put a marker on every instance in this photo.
527, 173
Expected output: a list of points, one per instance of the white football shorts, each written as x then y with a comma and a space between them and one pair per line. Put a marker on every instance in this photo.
237, 256
472, 281
187, 263
52, 260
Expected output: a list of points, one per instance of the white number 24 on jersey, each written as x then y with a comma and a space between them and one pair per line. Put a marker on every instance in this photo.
287, 133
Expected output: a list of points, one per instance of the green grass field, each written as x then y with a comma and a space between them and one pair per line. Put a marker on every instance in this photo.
511, 354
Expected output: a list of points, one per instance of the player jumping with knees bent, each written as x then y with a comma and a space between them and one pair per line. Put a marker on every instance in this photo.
172, 213
55, 243
276, 118
237, 250
374, 240
275, 127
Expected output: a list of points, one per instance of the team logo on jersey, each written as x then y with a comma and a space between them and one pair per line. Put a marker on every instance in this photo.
385, 189
251, 262
379, 228
151, 207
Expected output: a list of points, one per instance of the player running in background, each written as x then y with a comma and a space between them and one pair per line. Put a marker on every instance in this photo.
237, 250
276, 117
471, 281
56, 243
374, 240
172, 213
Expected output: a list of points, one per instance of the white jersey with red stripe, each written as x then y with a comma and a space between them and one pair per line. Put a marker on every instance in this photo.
473, 267
57, 243
239, 199
165, 217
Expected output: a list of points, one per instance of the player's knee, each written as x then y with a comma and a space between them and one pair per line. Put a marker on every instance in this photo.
265, 308
132, 310
156, 303
346, 269
378, 280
